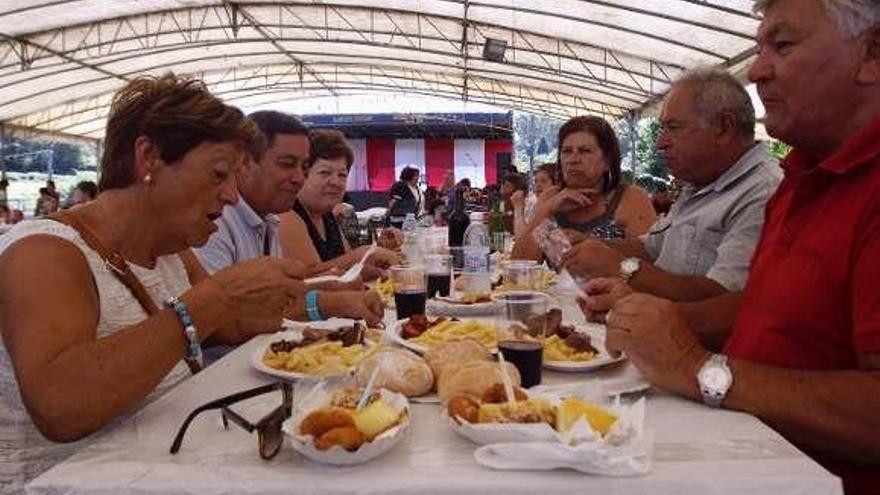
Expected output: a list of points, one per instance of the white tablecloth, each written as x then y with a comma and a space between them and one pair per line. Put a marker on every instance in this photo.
697, 450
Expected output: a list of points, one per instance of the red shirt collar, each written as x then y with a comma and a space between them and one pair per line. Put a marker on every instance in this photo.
860, 149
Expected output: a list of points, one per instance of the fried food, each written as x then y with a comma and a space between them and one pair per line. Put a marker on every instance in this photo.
417, 325
464, 407
322, 420
527, 411
496, 394
556, 349
317, 359
349, 397
454, 330
347, 437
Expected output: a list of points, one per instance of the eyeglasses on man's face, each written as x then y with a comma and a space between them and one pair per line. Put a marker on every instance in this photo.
268, 429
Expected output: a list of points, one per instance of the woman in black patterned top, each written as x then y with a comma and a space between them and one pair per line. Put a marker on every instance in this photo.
589, 198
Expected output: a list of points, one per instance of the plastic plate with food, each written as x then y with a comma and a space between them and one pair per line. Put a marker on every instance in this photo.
329, 428
313, 351
420, 333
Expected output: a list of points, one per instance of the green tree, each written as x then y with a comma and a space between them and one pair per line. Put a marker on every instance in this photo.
529, 132
650, 161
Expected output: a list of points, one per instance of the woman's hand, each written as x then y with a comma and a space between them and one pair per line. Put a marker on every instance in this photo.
259, 289
568, 200
360, 305
390, 238
518, 200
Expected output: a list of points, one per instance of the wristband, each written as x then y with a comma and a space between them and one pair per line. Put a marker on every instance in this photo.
193, 357
312, 306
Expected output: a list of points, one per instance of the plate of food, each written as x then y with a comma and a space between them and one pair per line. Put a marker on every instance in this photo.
567, 348
304, 352
575, 349
420, 333
330, 429
492, 418
462, 304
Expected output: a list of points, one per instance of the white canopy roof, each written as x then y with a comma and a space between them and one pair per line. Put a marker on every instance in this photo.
61, 60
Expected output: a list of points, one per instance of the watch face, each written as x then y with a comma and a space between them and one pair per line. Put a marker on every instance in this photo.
715, 378
630, 265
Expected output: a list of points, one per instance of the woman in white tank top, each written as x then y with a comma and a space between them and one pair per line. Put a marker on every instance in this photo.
79, 350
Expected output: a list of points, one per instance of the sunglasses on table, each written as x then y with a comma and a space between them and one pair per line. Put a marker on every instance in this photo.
268, 429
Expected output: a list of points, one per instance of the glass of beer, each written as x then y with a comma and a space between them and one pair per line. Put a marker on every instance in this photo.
439, 268
409, 289
521, 332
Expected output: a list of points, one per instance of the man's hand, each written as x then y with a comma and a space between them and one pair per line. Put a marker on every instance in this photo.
602, 295
653, 332
592, 258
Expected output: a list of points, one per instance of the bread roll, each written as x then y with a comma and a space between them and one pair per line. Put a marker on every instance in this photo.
400, 371
453, 354
473, 379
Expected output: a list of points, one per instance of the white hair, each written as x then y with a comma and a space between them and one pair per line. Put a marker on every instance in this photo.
852, 16
717, 92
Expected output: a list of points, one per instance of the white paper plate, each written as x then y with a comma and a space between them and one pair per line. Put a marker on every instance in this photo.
337, 456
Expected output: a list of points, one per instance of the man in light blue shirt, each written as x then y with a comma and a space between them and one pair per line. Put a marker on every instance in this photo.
268, 185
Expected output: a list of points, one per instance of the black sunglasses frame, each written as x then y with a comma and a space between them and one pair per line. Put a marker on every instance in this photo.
274, 418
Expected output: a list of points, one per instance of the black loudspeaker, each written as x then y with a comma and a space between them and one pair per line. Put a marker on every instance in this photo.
503, 165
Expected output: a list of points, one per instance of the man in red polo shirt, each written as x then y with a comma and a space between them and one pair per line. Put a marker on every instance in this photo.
804, 350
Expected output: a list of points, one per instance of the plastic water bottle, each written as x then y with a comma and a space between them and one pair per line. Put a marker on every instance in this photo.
476, 256
410, 246
409, 224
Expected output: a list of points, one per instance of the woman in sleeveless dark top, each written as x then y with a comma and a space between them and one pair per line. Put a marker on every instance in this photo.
310, 233
329, 246
590, 198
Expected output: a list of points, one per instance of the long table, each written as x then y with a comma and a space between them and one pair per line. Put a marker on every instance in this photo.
697, 450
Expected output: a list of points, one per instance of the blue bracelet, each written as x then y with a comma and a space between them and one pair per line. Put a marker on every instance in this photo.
312, 306
193, 357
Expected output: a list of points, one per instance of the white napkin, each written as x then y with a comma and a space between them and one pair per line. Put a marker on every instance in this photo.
590, 458
625, 451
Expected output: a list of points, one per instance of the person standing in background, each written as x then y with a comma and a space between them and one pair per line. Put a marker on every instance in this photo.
405, 197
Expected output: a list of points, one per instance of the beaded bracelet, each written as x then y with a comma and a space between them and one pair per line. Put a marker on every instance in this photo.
193, 357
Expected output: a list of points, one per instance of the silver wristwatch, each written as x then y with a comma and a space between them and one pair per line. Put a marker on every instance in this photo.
715, 379
629, 267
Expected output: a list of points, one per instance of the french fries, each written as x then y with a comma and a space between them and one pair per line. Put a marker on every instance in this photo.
453, 330
322, 358
555, 349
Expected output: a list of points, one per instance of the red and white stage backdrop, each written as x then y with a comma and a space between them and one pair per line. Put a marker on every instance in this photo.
378, 161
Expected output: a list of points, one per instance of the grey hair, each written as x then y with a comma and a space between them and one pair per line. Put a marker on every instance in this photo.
852, 16
716, 92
